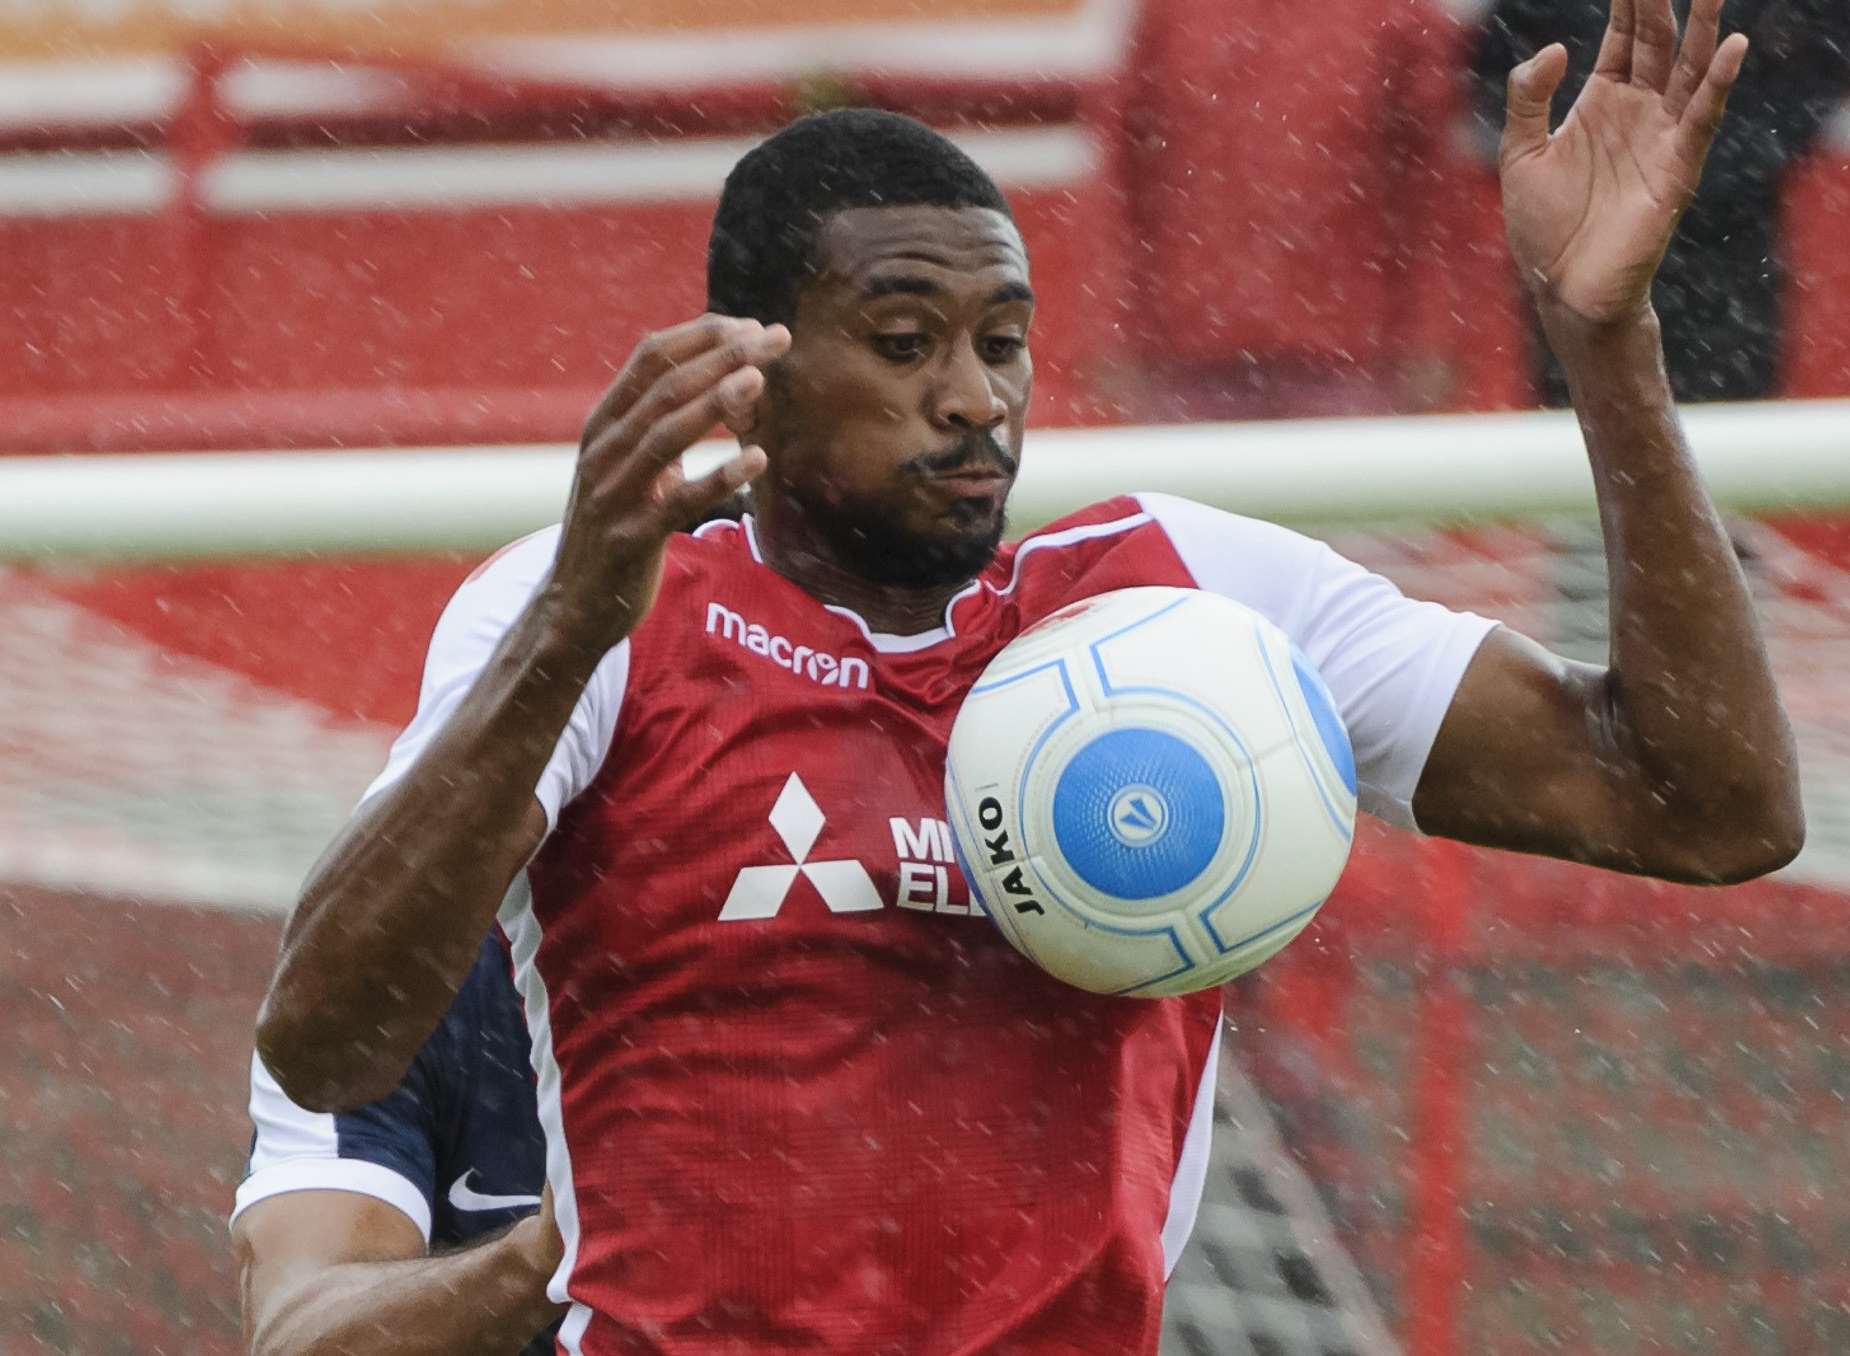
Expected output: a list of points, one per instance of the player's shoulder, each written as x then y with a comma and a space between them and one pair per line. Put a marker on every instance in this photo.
718, 563
521, 563
1107, 525
1191, 522
1160, 527
1137, 540
495, 591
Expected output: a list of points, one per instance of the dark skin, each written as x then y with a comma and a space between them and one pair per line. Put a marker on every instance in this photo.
901, 405
340, 1271
1675, 761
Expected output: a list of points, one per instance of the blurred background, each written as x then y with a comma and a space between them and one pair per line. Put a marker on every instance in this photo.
1485, 1106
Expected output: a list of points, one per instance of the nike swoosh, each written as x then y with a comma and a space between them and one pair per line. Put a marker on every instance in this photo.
464, 1197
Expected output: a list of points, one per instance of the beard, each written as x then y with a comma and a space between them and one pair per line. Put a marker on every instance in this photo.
864, 537
867, 533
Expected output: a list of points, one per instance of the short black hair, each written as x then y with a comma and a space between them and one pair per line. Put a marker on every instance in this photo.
771, 212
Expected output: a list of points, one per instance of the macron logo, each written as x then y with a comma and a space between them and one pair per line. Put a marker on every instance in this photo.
825, 670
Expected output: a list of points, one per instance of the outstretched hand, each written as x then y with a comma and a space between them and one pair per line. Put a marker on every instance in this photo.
1590, 209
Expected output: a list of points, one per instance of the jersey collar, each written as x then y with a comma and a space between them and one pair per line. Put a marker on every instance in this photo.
885, 642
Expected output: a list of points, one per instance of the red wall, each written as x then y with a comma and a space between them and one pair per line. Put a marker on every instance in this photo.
1298, 209
370, 306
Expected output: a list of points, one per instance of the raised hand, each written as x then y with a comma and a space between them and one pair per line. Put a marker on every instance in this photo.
629, 493
1590, 209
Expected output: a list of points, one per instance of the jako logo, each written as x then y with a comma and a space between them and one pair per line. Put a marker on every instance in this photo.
824, 669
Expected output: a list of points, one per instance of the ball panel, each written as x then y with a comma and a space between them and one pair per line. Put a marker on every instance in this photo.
1095, 954
1138, 813
1302, 853
1004, 720
1271, 928
1280, 660
1329, 725
1192, 725
1130, 638
1229, 967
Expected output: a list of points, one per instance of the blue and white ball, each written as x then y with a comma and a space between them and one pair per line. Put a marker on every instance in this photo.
1150, 791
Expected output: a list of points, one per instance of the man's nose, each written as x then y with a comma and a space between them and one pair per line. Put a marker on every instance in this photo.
966, 394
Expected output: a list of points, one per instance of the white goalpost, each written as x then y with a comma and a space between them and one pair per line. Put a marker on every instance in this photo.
1388, 492
1785, 455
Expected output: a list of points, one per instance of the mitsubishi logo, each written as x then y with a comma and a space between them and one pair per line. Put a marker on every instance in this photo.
758, 891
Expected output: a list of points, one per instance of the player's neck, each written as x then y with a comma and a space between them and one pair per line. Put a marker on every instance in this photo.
886, 608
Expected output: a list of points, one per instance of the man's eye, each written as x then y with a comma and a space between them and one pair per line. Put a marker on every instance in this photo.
899, 347
999, 348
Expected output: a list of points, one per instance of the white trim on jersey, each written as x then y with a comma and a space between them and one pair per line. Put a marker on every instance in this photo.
885, 642
355, 1175
523, 934
284, 1129
1067, 537
1191, 1178
299, 1150
467, 633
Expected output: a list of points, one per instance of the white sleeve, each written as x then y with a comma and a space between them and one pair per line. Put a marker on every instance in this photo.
1392, 664
471, 626
293, 1149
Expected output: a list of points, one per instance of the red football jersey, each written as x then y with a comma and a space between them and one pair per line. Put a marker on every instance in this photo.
799, 1094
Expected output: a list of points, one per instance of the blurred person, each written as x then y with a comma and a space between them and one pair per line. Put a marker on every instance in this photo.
1288, 235
792, 1101
1718, 291
412, 1224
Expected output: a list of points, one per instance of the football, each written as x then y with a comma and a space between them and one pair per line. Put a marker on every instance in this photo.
1150, 791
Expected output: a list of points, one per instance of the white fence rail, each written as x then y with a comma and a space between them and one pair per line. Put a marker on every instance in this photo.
1793, 454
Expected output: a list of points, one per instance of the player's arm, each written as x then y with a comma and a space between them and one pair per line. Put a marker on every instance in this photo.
339, 1273
389, 919
1676, 760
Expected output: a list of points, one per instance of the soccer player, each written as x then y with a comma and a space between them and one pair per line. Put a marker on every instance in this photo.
412, 1224
793, 1098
